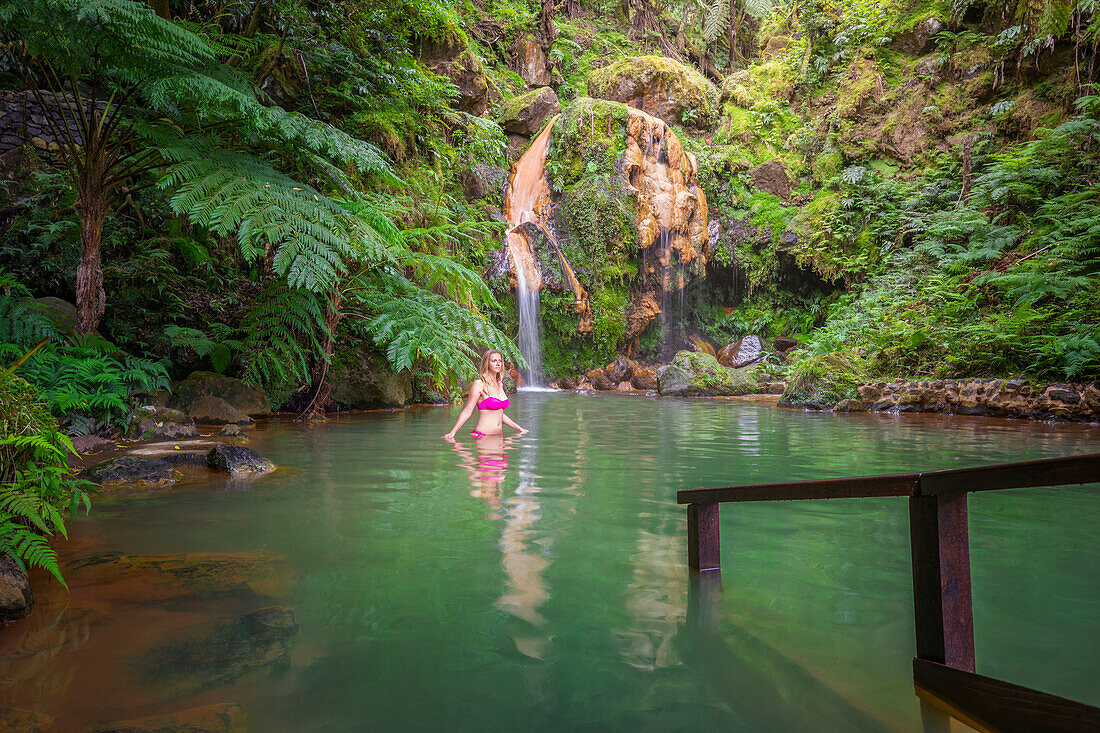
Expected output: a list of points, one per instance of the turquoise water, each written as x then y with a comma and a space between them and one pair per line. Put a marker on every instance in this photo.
541, 584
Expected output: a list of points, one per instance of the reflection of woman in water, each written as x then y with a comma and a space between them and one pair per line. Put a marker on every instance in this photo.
487, 468
487, 394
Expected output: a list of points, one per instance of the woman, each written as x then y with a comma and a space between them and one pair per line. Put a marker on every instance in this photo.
487, 394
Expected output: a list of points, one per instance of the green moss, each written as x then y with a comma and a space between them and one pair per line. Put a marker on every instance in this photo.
588, 140
511, 108
824, 379
680, 82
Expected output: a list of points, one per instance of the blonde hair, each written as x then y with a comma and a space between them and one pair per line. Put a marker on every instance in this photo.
483, 369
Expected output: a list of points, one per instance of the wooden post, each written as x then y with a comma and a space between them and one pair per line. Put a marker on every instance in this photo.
704, 546
943, 610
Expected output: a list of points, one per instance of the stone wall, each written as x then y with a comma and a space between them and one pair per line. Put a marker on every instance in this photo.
22, 119
1013, 398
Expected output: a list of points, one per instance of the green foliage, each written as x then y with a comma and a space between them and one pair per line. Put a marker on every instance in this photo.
36, 488
88, 384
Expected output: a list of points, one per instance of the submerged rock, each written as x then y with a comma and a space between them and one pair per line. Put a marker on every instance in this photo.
693, 374
157, 578
217, 718
131, 471
26, 721
237, 459
16, 597
216, 653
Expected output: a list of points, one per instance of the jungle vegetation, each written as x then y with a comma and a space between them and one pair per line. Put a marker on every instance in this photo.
263, 187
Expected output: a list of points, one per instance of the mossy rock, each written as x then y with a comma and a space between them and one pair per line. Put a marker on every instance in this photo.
525, 114
698, 374
663, 87
588, 140
820, 381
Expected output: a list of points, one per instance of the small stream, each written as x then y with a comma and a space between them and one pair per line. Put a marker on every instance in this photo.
385, 579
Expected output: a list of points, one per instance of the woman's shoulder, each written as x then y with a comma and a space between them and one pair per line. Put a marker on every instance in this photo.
477, 384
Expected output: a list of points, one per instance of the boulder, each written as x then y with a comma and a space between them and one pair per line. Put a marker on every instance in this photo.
483, 180
525, 114
772, 177
84, 444
61, 313
211, 410
236, 459
565, 383
223, 717
645, 378
161, 423
624, 387
456, 61
850, 405
662, 87
216, 653
748, 350
918, 39
784, 343
692, 374
131, 471
231, 429
510, 382
620, 370
599, 380
248, 398
364, 379
16, 597
531, 62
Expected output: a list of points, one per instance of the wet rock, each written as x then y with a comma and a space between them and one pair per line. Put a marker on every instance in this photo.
216, 653
510, 382
692, 374
526, 113
186, 458
249, 399
772, 177
850, 405
620, 370
16, 597
163, 423
662, 87
918, 39
84, 444
211, 410
531, 62
645, 378
784, 343
216, 718
748, 350
695, 343
565, 383
364, 379
599, 380
231, 429
131, 471
237, 459
624, 387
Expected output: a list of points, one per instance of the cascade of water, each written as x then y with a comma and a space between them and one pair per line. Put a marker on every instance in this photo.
527, 199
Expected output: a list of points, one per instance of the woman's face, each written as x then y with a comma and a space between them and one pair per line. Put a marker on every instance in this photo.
496, 363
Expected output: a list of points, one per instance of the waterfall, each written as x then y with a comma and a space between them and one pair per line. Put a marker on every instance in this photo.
528, 199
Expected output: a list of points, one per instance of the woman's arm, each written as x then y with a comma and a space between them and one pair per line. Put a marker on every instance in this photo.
467, 410
511, 423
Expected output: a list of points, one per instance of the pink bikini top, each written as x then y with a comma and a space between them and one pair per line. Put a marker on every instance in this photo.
492, 403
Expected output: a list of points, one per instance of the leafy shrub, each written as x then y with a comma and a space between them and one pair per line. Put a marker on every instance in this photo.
36, 488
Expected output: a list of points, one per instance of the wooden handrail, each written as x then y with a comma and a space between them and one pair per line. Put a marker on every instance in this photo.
943, 612
1025, 474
